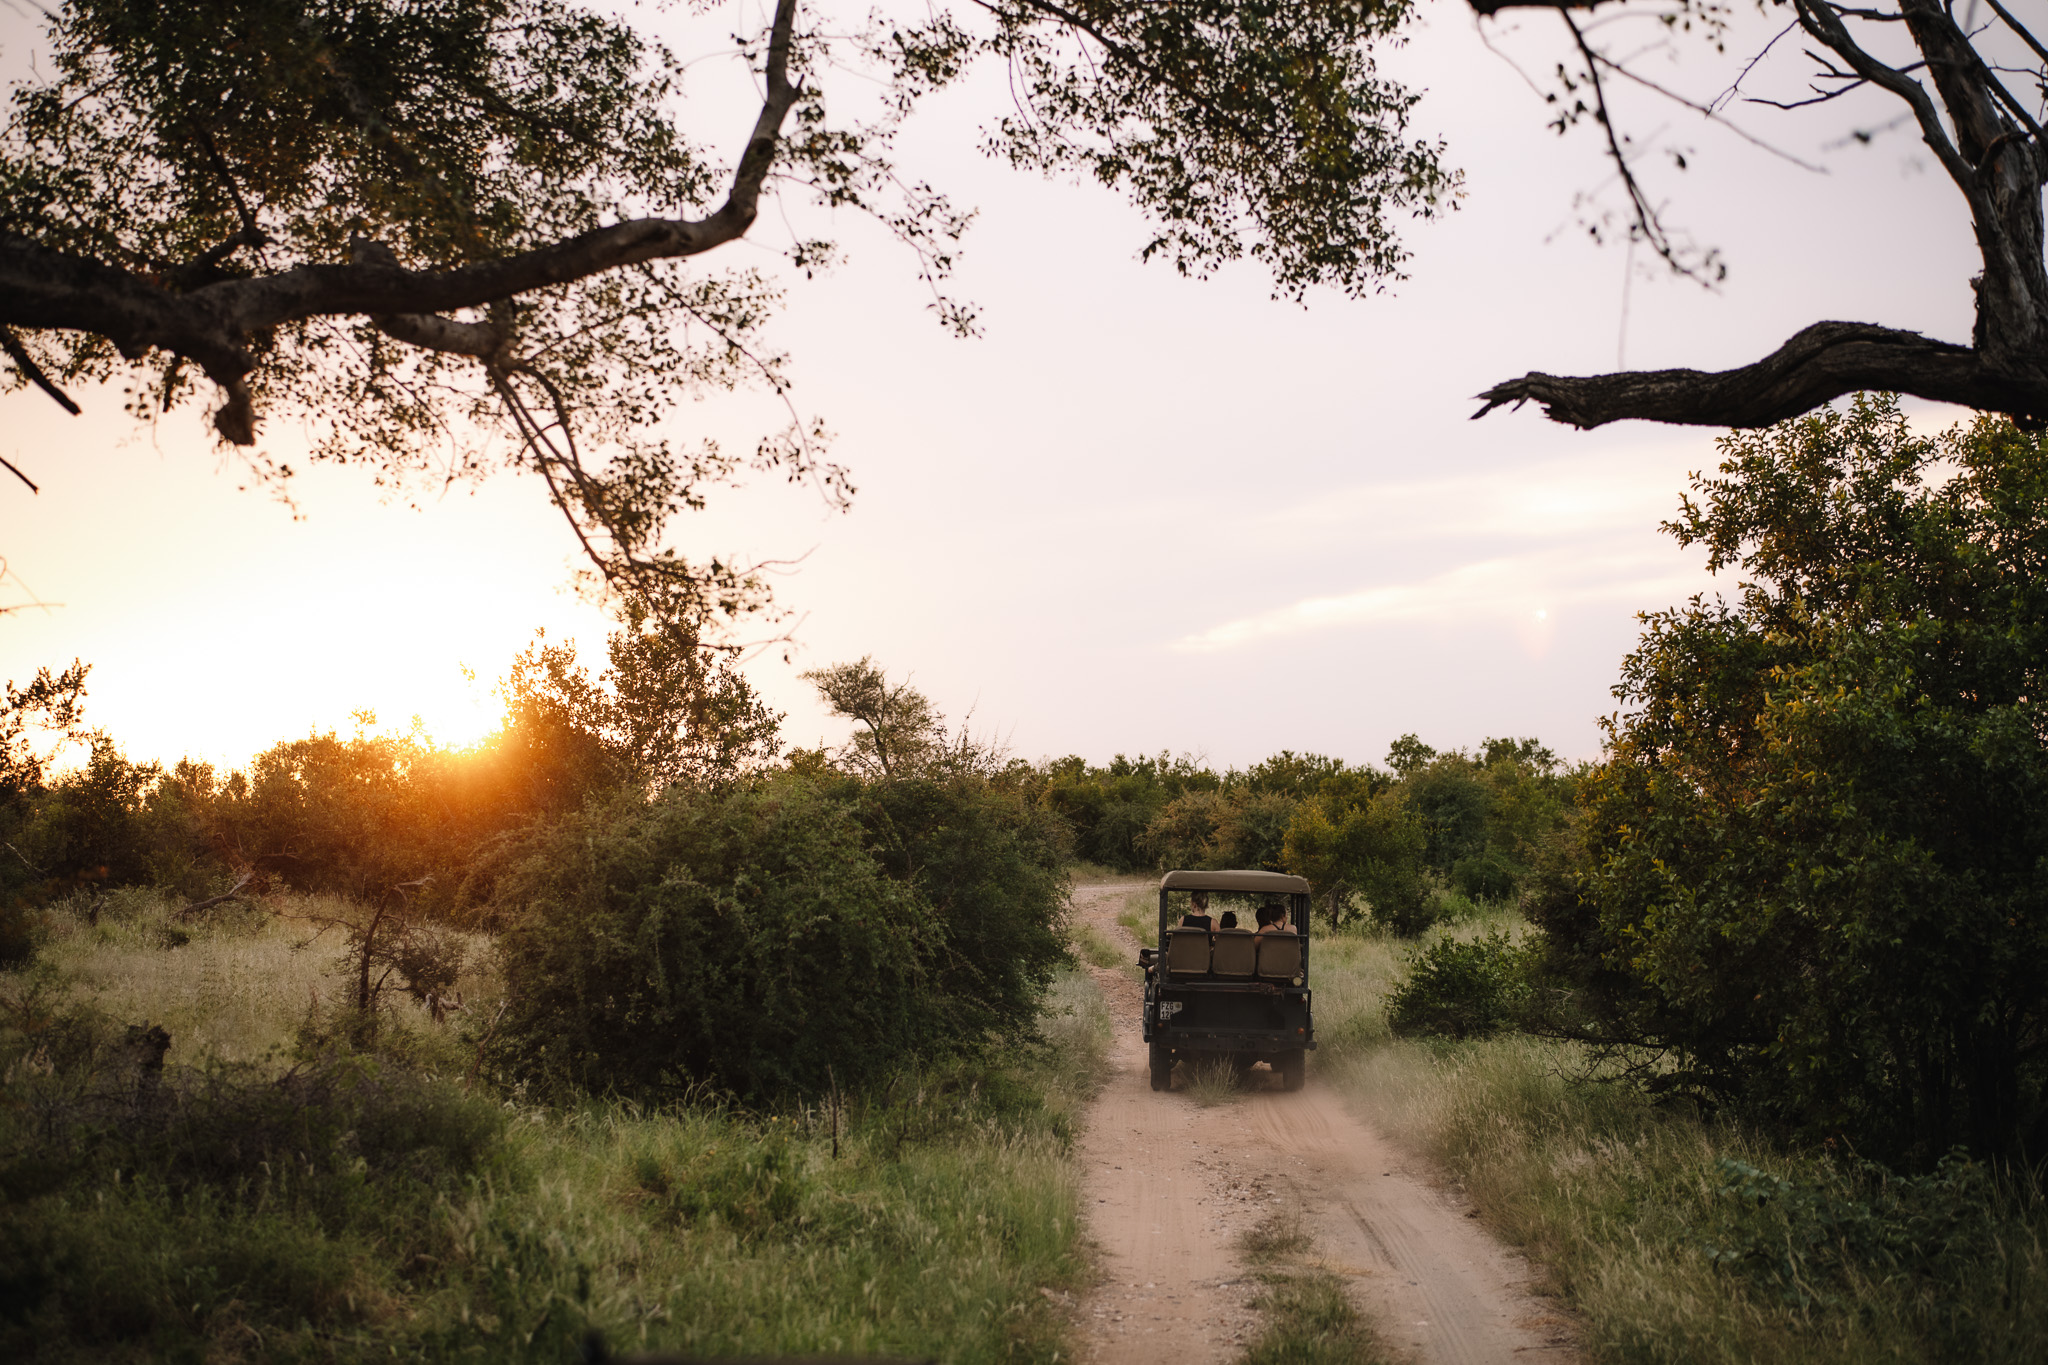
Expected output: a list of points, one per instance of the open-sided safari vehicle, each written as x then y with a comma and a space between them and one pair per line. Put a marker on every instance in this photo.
1230, 993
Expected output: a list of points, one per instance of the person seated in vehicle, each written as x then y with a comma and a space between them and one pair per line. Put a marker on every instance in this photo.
1229, 920
1197, 916
1273, 920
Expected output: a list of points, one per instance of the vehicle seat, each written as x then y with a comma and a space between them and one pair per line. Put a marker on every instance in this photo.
1279, 956
1187, 952
1235, 954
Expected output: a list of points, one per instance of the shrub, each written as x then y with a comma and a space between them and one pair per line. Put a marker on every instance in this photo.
744, 939
20, 928
1810, 872
991, 865
1460, 989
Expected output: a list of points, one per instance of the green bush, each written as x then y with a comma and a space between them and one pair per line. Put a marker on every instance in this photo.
1807, 1240
743, 939
991, 865
1809, 877
1460, 989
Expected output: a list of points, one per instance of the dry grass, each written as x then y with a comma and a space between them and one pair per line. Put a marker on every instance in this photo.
233, 986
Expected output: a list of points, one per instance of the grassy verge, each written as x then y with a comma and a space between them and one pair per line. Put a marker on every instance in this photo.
1683, 1240
1306, 1317
1140, 915
264, 1201
1095, 946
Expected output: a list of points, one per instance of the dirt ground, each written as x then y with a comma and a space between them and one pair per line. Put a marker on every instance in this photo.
1169, 1187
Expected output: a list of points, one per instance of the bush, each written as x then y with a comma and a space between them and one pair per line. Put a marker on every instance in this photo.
1809, 878
743, 939
1460, 989
991, 865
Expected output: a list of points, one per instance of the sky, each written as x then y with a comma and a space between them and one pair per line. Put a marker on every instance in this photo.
1139, 513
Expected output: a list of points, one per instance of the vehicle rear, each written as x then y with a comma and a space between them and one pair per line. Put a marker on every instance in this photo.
1233, 994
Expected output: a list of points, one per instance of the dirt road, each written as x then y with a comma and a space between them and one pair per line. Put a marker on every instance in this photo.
1169, 1187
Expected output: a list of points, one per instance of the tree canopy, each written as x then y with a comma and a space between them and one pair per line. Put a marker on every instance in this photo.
446, 236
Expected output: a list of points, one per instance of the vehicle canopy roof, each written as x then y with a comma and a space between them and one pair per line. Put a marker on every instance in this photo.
1271, 883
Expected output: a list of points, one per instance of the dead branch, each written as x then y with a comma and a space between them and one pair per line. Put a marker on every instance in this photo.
232, 893
1821, 363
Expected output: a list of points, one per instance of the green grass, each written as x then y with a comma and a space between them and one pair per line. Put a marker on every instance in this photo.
381, 1209
1140, 915
1210, 1082
1095, 946
1627, 1205
1307, 1318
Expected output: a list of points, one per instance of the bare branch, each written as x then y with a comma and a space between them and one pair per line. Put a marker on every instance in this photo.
1709, 111
15, 470
1646, 221
2021, 29
1819, 364
33, 372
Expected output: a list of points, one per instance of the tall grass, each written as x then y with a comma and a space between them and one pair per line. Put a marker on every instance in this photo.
1682, 1239
921, 1217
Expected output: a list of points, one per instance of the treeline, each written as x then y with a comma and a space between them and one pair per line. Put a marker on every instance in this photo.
362, 814
1410, 843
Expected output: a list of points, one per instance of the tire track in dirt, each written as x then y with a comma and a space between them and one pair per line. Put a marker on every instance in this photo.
1168, 1188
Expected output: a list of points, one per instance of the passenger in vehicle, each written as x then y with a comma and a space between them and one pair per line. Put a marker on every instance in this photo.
1273, 920
1197, 916
1229, 920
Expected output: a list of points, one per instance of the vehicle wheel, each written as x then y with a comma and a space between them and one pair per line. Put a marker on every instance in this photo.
1293, 1070
1162, 1066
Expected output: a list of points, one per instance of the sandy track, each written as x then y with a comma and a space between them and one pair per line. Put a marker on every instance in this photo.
1168, 1187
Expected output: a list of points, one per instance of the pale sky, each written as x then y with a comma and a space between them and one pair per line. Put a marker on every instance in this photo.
1139, 513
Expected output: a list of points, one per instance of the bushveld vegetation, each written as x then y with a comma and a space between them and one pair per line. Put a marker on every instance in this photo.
1740, 1028
1762, 1075
613, 1023
1677, 1234
282, 1194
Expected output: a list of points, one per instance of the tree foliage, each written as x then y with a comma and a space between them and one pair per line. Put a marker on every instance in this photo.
451, 236
1811, 874
744, 939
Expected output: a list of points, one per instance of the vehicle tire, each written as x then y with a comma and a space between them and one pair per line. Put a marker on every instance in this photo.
1293, 1069
1162, 1066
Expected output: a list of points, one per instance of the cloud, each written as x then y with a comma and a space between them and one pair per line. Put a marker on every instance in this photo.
1528, 591
1566, 497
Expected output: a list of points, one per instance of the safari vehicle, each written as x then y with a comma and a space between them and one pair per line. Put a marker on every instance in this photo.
1229, 993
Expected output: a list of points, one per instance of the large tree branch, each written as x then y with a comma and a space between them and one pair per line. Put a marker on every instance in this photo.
1819, 364
45, 288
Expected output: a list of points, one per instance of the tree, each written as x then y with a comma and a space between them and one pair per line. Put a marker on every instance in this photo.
1810, 882
51, 705
901, 731
411, 225
1956, 93
1375, 850
665, 710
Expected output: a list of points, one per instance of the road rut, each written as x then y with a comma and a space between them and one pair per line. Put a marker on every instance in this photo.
1168, 1188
